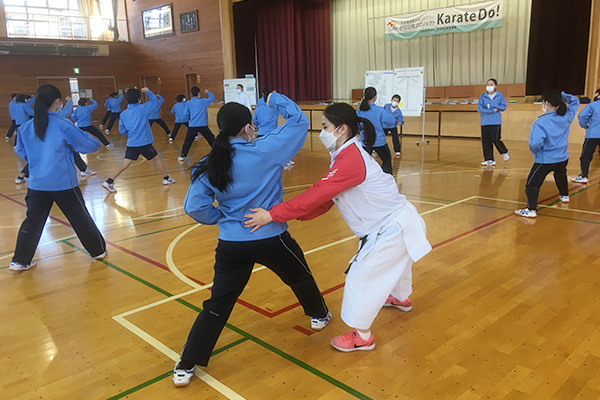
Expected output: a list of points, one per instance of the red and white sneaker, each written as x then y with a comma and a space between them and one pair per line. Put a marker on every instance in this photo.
352, 341
405, 305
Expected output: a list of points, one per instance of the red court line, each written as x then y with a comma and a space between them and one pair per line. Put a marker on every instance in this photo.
303, 330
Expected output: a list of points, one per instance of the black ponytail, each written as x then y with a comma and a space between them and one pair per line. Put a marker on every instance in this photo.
46, 94
367, 131
231, 119
370, 92
555, 99
343, 113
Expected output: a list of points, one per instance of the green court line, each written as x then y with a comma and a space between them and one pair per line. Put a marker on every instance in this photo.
246, 335
129, 274
152, 233
141, 386
170, 373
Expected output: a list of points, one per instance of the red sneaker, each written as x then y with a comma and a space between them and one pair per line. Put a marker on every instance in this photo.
352, 341
405, 305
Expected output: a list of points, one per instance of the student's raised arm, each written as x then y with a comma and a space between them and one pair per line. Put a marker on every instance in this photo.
572, 105
282, 144
66, 111
94, 105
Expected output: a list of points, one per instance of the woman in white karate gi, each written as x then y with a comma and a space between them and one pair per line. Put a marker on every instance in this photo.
391, 232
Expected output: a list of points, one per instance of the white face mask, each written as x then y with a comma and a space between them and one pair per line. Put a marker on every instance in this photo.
544, 109
253, 136
184, 99
490, 89
328, 139
239, 91
394, 104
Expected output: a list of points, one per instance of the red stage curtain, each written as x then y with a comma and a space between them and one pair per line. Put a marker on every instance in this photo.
293, 43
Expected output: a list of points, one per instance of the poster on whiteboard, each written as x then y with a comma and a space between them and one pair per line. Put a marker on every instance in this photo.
408, 83
230, 93
382, 82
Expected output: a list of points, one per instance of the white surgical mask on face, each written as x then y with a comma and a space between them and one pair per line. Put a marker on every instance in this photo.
544, 109
328, 139
490, 89
239, 91
253, 136
394, 104
184, 99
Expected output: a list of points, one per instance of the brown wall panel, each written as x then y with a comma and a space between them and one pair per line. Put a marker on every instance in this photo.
19, 73
171, 58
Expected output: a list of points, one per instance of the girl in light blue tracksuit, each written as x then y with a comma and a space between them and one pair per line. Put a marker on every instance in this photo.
47, 142
182, 116
549, 142
241, 172
490, 105
83, 118
155, 117
11, 112
378, 117
589, 119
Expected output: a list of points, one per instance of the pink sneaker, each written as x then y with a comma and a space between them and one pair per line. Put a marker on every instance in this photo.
405, 305
352, 341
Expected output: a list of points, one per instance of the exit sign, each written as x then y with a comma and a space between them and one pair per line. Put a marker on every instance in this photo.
76, 70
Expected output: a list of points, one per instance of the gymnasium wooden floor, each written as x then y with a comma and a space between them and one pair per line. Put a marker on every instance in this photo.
504, 307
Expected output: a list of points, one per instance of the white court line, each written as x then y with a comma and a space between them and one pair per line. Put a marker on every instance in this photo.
152, 341
171, 264
554, 207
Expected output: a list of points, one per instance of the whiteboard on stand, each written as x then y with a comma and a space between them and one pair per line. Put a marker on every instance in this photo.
382, 81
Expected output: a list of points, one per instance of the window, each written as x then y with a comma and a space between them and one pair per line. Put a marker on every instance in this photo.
61, 19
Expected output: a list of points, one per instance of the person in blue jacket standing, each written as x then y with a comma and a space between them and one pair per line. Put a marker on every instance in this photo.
134, 124
589, 119
155, 117
22, 109
241, 172
182, 116
198, 123
83, 119
107, 107
490, 105
265, 118
47, 142
549, 142
378, 117
394, 110
11, 112
115, 111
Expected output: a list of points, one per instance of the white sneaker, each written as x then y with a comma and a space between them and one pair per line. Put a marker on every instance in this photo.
6, 138
107, 131
197, 137
168, 181
488, 163
181, 377
527, 213
506, 156
170, 140
317, 324
87, 172
580, 179
110, 146
290, 163
374, 154
109, 186
181, 158
398, 154
101, 126
564, 199
101, 256
19, 180
17, 267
